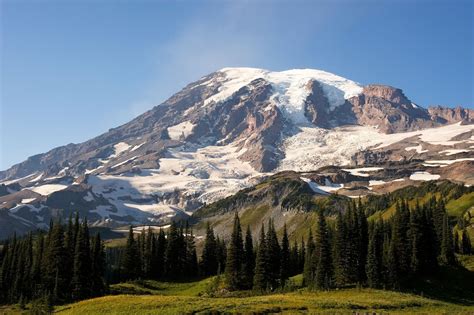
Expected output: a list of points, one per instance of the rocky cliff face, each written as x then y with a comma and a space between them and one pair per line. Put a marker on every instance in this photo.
446, 115
390, 110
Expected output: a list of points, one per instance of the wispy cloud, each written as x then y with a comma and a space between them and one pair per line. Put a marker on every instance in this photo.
241, 34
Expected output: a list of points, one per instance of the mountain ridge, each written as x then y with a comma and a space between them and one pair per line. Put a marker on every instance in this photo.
228, 131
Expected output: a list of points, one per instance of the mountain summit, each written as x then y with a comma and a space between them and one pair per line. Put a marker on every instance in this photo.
225, 132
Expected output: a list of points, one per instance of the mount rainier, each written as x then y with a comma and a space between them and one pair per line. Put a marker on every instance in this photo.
230, 130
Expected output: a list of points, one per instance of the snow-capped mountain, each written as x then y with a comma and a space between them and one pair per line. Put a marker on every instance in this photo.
225, 132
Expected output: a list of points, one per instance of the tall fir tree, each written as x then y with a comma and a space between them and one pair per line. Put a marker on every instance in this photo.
447, 249
131, 258
323, 277
249, 260
285, 258
273, 256
209, 261
260, 281
374, 257
233, 268
308, 270
81, 284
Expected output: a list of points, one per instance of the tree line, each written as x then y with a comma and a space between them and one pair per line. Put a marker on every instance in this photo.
340, 251
65, 264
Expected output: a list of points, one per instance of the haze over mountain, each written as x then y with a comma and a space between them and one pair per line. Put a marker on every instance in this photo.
228, 131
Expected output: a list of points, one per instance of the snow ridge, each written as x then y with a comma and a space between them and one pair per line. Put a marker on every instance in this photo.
290, 87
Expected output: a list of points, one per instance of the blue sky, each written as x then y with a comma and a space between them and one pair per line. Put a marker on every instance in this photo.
71, 70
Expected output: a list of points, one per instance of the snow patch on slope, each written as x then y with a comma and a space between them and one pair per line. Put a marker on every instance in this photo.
47, 189
183, 129
425, 176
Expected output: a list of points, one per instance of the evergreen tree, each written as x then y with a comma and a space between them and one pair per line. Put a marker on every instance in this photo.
447, 250
362, 237
54, 271
131, 258
340, 253
98, 267
174, 252
81, 284
308, 270
323, 278
209, 261
374, 257
249, 259
273, 256
233, 267
260, 281
191, 263
285, 261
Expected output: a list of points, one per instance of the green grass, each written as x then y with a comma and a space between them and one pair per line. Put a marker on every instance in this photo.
457, 207
194, 288
341, 301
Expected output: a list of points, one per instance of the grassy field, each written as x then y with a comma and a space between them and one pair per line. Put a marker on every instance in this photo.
457, 207
341, 301
153, 297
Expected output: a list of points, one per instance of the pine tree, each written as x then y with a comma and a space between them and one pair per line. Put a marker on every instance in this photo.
294, 259
447, 250
323, 278
159, 256
98, 267
54, 263
374, 257
191, 263
273, 256
260, 281
81, 280
209, 261
131, 258
308, 271
174, 252
362, 229
339, 253
285, 261
249, 259
233, 267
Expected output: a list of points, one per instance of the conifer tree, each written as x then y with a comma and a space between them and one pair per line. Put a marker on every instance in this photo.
273, 256
191, 263
374, 257
233, 267
174, 252
131, 258
249, 259
285, 261
447, 250
308, 271
209, 261
81, 284
98, 267
323, 278
260, 281
54, 263
340, 254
